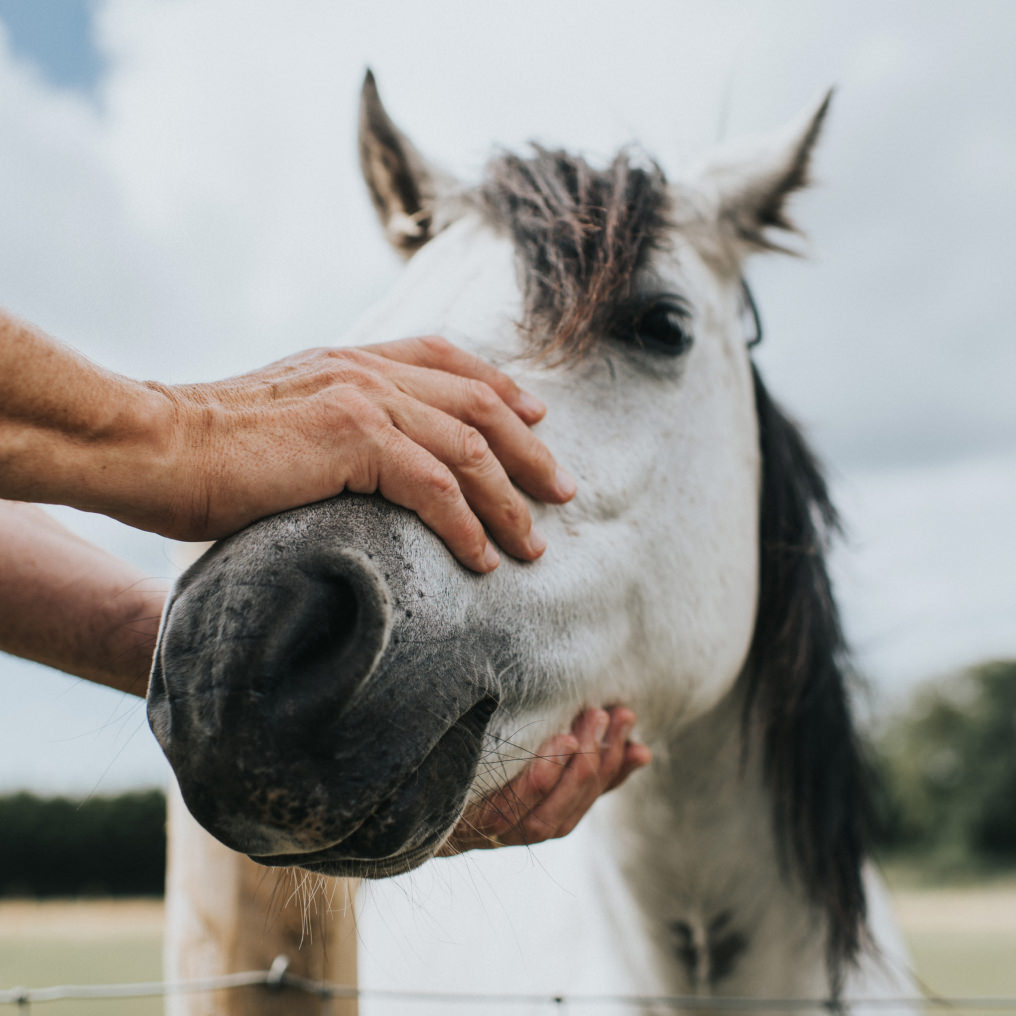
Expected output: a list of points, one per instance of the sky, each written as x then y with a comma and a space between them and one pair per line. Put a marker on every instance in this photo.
179, 200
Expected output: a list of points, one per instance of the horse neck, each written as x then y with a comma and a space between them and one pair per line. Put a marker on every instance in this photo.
696, 845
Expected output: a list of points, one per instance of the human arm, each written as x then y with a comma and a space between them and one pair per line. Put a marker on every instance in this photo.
423, 423
68, 604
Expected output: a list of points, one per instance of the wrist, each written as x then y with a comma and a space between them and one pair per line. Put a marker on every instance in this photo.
73, 433
122, 464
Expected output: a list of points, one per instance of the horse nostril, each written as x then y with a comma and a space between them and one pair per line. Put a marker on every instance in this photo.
281, 653
327, 632
330, 630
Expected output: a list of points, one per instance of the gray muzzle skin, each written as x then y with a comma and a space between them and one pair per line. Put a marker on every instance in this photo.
316, 698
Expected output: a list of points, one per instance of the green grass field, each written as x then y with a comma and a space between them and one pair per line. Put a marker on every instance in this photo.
963, 939
963, 942
87, 942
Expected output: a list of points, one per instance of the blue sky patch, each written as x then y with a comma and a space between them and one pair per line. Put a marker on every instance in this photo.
58, 37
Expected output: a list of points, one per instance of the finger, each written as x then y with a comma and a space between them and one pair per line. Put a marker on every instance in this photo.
636, 755
481, 478
495, 821
540, 777
440, 354
501, 815
409, 476
622, 722
523, 455
579, 785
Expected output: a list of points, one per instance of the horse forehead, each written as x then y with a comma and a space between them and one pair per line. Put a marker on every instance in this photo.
461, 285
469, 285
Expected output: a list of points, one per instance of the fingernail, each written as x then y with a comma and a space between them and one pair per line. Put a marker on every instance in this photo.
600, 728
491, 558
531, 405
537, 541
566, 484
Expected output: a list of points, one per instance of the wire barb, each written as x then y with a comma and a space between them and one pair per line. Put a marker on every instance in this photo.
277, 972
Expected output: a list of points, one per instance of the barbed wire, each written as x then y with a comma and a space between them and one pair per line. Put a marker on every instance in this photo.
277, 977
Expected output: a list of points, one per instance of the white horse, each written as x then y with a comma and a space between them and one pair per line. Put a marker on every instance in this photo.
686, 579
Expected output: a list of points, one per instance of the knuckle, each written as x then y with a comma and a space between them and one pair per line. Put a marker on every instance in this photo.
474, 452
542, 458
482, 400
442, 481
610, 768
436, 347
336, 364
344, 354
343, 376
569, 825
515, 514
364, 414
544, 778
351, 366
587, 767
537, 828
331, 374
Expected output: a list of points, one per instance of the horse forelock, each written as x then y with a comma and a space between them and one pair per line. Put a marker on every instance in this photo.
581, 236
797, 695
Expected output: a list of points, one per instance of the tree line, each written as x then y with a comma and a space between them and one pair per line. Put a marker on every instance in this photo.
101, 846
948, 772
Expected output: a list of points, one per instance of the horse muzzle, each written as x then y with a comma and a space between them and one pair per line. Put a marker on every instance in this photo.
311, 717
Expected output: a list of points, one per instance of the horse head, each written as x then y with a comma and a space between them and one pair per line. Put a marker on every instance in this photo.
332, 688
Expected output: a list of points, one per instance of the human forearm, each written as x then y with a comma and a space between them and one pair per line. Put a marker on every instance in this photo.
419, 421
70, 605
72, 433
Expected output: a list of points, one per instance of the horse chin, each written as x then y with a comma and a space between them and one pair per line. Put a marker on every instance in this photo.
335, 863
394, 839
393, 832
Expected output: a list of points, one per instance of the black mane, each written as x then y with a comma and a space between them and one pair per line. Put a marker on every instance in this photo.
797, 702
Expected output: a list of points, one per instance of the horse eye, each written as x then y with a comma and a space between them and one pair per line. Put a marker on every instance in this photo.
664, 327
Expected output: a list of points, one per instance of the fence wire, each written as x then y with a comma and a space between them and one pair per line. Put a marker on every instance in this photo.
278, 977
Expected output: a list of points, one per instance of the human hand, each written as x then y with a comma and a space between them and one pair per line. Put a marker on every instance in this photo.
547, 799
430, 427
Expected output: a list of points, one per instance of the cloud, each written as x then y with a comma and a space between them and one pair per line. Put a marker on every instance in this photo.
900, 345
926, 572
203, 215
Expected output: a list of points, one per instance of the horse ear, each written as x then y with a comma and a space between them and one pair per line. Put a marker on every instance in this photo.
752, 180
405, 189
